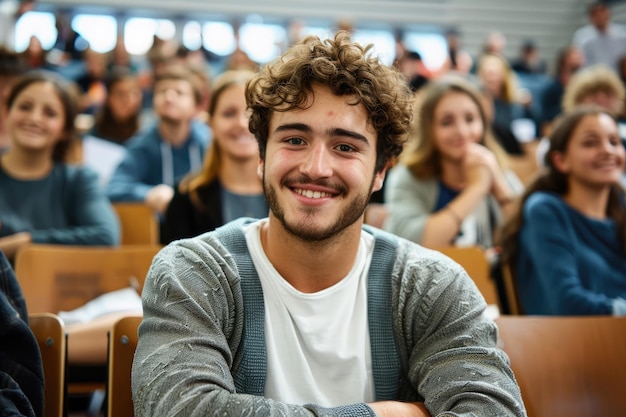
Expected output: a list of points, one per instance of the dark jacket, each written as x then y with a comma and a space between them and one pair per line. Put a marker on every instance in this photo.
184, 218
21, 369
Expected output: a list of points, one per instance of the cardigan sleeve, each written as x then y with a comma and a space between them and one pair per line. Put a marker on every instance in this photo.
91, 218
410, 202
190, 336
448, 344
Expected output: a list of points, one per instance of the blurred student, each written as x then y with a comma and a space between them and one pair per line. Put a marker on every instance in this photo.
157, 159
601, 40
597, 85
11, 67
566, 245
452, 187
228, 186
499, 83
569, 60
119, 118
43, 199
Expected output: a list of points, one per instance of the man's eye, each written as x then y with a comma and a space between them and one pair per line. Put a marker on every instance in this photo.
295, 141
346, 148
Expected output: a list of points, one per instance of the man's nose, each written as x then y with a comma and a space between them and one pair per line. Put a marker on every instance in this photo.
317, 163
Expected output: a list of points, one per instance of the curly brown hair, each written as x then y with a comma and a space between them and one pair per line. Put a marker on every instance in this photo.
348, 69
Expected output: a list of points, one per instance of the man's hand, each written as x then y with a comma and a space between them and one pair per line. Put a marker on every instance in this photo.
158, 198
399, 409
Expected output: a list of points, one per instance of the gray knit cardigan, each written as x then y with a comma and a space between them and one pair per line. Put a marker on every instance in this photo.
201, 348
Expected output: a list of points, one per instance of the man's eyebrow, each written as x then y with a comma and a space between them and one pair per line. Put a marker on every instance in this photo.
347, 133
293, 126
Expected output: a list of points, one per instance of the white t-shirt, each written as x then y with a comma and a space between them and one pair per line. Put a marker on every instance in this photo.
318, 346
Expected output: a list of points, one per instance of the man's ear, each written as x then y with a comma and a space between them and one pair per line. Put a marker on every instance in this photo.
259, 169
379, 178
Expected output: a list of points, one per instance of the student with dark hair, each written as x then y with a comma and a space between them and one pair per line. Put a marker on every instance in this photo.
42, 198
119, 117
566, 245
307, 312
11, 67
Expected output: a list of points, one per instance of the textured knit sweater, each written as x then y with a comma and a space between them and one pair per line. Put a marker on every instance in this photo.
201, 349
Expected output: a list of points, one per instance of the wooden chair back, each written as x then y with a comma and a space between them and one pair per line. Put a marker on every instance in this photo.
61, 278
567, 366
475, 262
49, 331
510, 289
139, 225
122, 344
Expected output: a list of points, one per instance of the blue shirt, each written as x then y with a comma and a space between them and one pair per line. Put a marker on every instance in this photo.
150, 161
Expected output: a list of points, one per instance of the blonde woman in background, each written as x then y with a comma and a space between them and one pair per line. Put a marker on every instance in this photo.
596, 85
508, 101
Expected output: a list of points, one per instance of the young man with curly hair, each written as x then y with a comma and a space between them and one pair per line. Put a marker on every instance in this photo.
308, 312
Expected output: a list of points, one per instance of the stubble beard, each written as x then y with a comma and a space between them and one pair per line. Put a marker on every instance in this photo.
304, 229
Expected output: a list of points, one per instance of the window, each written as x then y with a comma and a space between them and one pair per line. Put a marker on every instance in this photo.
383, 41
219, 38
139, 33
431, 46
39, 24
192, 35
99, 30
262, 42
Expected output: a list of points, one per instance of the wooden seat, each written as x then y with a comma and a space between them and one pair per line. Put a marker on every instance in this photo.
60, 278
49, 331
567, 366
138, 223
475, 262
510, 288
122, 344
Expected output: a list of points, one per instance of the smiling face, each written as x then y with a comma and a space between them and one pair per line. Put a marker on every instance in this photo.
36, 118
457, 124
319, 168
229, 123
595, 154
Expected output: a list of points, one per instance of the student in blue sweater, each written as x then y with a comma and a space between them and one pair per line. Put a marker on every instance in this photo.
159, 158
228, 186
307, 312
567, 244
42, 198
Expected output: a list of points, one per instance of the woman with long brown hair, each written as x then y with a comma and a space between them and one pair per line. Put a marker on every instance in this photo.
450, 189
566, 246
